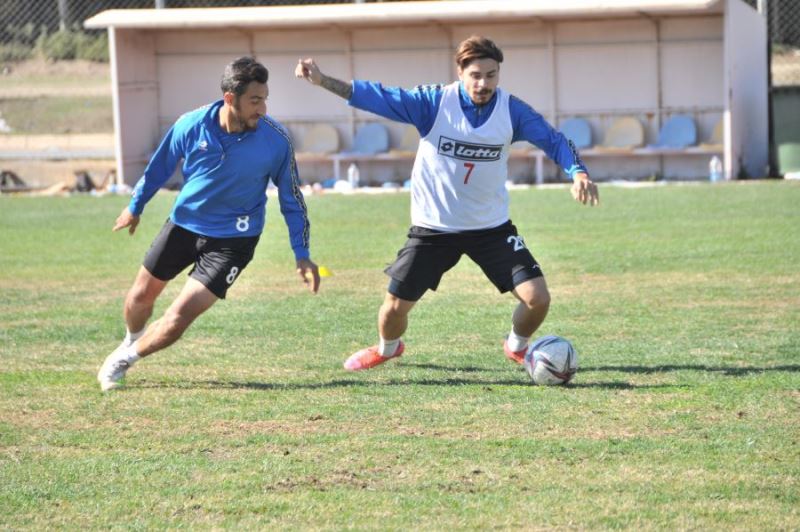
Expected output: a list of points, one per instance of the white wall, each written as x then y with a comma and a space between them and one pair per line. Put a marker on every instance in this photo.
747, 90
692, 69
135, 95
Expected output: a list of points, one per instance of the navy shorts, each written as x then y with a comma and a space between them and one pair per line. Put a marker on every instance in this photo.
428, 254
217, 261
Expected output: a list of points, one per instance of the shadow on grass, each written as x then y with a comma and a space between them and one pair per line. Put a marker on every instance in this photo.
277, 386
460, 369
457, 381
729, 371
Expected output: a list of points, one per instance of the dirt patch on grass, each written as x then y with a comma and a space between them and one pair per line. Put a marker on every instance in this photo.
38, 78
41, 67
30, 418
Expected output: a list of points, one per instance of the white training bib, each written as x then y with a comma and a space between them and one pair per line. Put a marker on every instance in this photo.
459, 178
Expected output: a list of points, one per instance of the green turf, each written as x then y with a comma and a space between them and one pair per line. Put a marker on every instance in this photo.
58, 115
683, 302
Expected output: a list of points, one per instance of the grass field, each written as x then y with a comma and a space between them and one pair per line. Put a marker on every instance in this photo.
59, 115
50, 98
683, 301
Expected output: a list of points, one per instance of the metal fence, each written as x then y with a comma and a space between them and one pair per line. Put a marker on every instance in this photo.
53, 28
783, 22
53, 15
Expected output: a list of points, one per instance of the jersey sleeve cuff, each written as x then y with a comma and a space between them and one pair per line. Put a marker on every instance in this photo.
358, 87
135, 209
574, 170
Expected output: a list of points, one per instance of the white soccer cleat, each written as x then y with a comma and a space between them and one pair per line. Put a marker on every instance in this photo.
113, 370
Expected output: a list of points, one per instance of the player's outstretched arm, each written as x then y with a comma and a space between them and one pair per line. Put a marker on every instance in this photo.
584, 189
126, 219
307, 69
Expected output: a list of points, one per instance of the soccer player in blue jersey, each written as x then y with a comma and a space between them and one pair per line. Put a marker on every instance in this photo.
459, 203
230, 150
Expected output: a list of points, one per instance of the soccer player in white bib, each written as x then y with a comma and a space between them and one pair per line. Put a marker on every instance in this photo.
230, 150
459, 201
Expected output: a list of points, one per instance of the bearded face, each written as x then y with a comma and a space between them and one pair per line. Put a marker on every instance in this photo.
248, 108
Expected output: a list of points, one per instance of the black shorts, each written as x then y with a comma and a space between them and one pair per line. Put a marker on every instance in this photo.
217, 261
500, 252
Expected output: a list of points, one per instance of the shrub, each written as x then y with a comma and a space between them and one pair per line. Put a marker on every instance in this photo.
57, 46
71, 44
15, 51
94, 48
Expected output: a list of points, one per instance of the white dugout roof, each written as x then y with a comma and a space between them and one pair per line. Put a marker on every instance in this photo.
390, 14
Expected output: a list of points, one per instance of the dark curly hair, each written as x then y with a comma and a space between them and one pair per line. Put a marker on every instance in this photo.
239, 74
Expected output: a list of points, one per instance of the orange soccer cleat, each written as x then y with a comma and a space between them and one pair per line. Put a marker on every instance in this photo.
515, 356
370, 357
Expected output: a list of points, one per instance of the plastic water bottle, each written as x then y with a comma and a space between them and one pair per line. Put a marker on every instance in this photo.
353, 175
715, 169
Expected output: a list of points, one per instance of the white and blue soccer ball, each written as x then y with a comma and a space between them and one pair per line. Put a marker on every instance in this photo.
551, 360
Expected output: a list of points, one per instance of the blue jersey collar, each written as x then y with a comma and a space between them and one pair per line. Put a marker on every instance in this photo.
212, 117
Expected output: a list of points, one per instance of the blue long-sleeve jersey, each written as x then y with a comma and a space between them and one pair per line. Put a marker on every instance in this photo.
419, 106
226, 177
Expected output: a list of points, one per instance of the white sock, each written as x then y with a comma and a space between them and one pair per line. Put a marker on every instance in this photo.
517, 342
131, 337
386, 348
130, 355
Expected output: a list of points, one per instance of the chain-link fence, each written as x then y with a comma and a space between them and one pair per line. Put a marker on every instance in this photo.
53, 28
784, 29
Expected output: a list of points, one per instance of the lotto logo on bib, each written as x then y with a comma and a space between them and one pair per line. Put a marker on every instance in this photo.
467, 151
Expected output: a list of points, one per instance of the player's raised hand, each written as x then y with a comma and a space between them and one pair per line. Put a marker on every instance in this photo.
126, 219
309, 273
584, 190
308, 70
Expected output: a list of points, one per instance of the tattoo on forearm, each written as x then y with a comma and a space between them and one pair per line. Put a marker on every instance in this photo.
337, 86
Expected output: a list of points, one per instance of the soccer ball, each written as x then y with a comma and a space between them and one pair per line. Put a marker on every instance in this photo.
551, 360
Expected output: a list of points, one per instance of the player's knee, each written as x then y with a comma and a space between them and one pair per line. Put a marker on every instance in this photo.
538, 299
139, 295
393, 306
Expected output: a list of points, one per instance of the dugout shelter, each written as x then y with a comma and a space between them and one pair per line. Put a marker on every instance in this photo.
646, 60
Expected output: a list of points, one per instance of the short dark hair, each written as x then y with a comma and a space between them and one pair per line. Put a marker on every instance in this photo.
477, 47
240, 73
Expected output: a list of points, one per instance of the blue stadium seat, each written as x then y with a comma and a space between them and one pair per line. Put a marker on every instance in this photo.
578, 131
677, 133
371, 139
